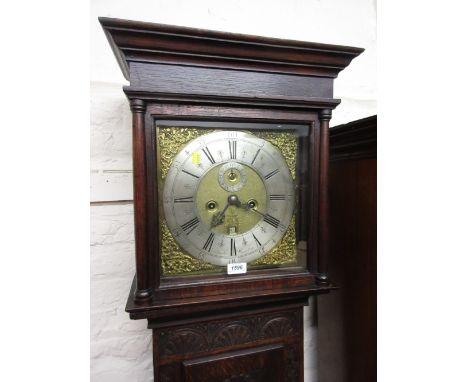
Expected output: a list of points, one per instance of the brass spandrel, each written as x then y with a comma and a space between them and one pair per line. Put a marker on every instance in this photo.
174, 260
286, 142
172, 140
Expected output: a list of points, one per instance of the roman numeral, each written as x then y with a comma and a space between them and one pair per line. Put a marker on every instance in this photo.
190, 225
277, 197
233, 149
189, 173
273, 173
209, 242
208, 155
255, 157
188, 199
255, 237
271, 220
233, 247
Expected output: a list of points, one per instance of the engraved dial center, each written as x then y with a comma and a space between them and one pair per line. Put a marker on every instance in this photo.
232, 215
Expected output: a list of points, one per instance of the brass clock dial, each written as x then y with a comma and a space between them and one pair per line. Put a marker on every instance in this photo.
228, 197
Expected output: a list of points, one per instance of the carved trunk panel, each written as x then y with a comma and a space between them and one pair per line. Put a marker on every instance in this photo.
246, 347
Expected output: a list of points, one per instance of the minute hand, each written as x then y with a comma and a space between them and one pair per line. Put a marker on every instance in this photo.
270, 220
253, 209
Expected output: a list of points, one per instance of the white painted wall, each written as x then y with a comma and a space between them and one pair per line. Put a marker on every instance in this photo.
120, 347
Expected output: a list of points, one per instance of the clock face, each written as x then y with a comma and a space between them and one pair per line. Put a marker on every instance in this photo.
228, 197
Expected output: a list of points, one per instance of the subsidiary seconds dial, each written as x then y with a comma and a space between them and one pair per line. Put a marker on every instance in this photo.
228, 197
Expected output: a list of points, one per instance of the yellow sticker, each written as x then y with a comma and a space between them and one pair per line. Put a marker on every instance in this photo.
196, 158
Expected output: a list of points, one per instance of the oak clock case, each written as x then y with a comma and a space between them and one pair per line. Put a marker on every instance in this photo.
230, 165
228, 194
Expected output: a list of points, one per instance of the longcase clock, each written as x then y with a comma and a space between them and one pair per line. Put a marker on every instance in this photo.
230, 164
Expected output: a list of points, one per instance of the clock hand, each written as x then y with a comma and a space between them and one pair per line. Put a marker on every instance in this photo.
218, 218
237, 203
254, 209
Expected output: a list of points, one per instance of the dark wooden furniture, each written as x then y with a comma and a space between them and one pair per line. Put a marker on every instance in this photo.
225, 328
252, 344
348, 319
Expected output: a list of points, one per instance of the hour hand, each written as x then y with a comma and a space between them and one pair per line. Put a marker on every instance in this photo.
218, 217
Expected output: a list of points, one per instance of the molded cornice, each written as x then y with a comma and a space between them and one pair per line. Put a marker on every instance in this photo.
135, 41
